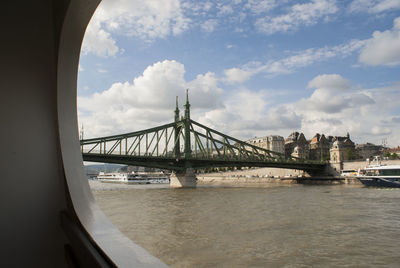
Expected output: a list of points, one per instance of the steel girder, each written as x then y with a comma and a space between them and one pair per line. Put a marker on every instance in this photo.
186, 143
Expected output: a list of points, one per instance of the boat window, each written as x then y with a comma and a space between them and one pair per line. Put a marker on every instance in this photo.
349, 170
372, 172
390, 172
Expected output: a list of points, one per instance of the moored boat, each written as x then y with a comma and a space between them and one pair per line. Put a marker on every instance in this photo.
380, 176
133, 177
120, 177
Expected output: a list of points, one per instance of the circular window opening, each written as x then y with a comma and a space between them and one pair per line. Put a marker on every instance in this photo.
236, 58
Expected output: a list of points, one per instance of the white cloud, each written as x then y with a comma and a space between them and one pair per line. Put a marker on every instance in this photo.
330, 82
299, 14
383, 48
204, 91
289, 64
374, 6
98, 42
209, 25
236, 75
282, 118
143, 19
260, 6
378, 130
197, 8
246, 114
146, 20
249, 105
225, 10
332, 95
146, 102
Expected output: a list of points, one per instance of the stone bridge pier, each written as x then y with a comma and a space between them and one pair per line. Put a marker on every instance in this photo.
185, 179
329, 170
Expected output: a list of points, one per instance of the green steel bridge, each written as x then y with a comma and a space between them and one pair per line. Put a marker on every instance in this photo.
185, 144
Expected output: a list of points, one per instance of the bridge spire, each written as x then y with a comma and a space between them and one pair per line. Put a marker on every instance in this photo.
177, 110
187, 105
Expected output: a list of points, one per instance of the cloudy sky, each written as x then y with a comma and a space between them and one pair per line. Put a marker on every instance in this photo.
253, 67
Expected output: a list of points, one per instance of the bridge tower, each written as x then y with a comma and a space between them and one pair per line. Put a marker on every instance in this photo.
187, 178
177, 130
188, 150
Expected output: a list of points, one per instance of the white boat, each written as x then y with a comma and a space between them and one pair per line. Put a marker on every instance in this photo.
133, 177
120, 177
379, 175
348, 173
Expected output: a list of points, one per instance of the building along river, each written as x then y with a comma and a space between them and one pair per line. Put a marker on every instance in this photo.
271, 226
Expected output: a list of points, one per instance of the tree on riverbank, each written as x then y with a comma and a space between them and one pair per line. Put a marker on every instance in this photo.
350, 154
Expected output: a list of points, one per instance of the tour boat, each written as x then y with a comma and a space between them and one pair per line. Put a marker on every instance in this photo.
348, 173
120, 177
133, 178
380, 176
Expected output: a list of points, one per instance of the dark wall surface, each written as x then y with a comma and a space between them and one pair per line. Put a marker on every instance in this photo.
32, 185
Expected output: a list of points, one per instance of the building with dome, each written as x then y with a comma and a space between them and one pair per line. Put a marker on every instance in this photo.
342, 149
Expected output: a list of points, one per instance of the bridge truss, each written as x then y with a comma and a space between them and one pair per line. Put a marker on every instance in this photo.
185, 144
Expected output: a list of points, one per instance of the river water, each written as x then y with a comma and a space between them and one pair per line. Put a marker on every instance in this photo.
279, 226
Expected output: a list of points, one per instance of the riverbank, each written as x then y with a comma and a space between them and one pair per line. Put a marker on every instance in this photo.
229, 180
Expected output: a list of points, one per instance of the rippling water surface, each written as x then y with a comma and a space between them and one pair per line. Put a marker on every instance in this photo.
282, 226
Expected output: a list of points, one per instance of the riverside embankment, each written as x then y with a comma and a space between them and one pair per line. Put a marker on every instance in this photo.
250, 177
232, 180
259, 176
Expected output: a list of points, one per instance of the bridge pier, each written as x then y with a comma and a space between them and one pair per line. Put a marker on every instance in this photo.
330, 170
186, 179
